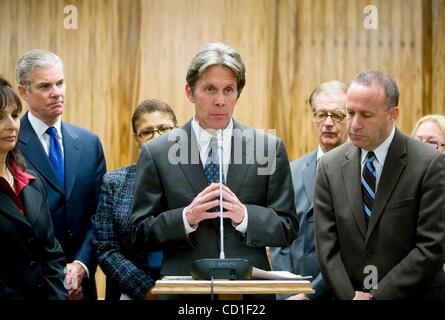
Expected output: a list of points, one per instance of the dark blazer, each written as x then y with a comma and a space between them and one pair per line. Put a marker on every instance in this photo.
164, 189
126, 268
72, 206
300, 257
33, 262
405, 236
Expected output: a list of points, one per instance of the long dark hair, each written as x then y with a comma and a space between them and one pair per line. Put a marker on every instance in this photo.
9, 97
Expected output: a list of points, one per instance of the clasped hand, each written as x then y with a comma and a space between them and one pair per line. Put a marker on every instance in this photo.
197, 211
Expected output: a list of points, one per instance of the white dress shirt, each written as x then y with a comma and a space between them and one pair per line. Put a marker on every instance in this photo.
380, 153
203, 139
40, 128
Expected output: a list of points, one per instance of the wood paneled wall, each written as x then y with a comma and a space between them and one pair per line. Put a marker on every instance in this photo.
127, 51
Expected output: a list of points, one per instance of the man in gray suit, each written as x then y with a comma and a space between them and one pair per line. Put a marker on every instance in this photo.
378, 205
177, 177
327, 103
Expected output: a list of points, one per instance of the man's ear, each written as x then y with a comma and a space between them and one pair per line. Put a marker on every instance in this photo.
189, 93
394, 112
22, 92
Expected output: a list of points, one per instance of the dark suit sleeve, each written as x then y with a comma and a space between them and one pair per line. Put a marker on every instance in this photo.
149, 221
86, 253
274, 223
427, 255
6, 293
54, 255
326, 239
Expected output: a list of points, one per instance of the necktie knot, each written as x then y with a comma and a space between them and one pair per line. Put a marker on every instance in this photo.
51, 131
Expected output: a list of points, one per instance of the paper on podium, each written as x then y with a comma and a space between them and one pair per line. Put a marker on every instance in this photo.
257, 274
276, 275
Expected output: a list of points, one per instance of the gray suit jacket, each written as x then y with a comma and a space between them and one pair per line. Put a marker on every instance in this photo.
405, 236
164, 189
300, 257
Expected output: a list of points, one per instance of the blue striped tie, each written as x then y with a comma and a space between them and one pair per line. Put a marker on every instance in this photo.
368, 184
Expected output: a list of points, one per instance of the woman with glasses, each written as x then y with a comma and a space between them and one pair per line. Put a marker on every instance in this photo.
130, 273
431, 130
32, 266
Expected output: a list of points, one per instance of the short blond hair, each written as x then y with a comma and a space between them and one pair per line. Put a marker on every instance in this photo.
436, 118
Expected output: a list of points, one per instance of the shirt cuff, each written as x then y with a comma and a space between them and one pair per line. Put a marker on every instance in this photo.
242, 227
83, 266
188, 228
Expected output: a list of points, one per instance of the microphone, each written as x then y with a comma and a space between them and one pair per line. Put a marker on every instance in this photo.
222, 268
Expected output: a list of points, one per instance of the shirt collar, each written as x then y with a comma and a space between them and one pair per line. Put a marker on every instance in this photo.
21, 178
40, 127
203, 137
381, 151
320, 153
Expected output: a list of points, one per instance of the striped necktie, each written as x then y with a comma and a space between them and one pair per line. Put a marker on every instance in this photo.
368, 184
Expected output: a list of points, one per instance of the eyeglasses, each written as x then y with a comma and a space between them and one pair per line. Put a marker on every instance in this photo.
435, 144
149, 134
321, 115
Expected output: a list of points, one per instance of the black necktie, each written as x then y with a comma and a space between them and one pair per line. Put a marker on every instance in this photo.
368, 184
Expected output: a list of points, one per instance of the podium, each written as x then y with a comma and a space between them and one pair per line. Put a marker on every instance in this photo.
230, 289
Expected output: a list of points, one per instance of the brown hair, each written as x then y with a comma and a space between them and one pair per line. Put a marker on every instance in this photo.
9, 97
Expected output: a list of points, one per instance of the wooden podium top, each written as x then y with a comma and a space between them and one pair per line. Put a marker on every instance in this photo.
231, 288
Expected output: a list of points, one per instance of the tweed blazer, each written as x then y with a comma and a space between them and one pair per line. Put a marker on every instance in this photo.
126, 268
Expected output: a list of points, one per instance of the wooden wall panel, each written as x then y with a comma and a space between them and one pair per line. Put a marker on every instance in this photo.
438, 58
125, 51
328, 41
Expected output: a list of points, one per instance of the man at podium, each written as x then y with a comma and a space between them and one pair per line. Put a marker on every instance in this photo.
177, 180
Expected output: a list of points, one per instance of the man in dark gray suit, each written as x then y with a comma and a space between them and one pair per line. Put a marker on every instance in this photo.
175, 194
379, 206
327, 103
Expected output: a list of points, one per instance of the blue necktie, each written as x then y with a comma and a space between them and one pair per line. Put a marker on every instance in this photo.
55, 155
368, 184
211, 169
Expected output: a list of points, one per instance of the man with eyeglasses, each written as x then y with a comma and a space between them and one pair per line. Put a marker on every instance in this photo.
327, 103
378, 204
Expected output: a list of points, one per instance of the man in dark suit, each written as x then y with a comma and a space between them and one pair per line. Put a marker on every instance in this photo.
70, 160
175, 191
327, 103
379, 206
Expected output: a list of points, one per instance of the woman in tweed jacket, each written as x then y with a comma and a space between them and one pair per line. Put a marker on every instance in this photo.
130, 273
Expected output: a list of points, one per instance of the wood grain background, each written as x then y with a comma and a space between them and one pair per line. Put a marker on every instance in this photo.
129, 50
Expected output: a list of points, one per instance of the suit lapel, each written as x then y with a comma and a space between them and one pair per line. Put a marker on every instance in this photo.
308, 175
32, 148
237, 171
71, 150
392, 170
351, 179
192, 169
9, 208
32, 200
